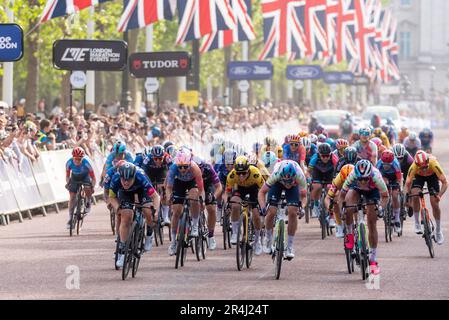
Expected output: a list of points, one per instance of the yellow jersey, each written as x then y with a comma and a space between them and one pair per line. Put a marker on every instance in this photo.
254, 179
434, 168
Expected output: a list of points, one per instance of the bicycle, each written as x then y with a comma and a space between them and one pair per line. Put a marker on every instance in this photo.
388, 216
226, 226
112, 216
309, 205
159, 228
77, 218
324, 214
134, 245
403, 215
280, 235
245, 234
428, 235
184, 238
201, 240
361, 246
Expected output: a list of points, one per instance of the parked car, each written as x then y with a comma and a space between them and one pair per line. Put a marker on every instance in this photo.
331, 119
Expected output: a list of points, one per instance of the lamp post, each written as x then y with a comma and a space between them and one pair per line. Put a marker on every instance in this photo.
433, 70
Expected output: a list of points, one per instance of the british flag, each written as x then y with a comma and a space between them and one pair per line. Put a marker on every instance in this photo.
59, 8
284, 32
347, 49
140, 13
198, 18
376, 61
316, 29
332, 12
244, 30
390, 47
364, 33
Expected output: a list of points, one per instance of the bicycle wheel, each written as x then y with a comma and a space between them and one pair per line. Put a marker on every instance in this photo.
364, 260
323, 224
72, 223
117, 246
386, 223
225, 226
249, 247
160, 227
129, 251
428, 233
349, 261
307, 208
180, 241
112, 217
198, 240
138, 248
241, 244
204, 236
279, 249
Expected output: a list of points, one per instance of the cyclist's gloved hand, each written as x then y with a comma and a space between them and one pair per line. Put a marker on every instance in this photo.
209, 198
263, 211
380, 212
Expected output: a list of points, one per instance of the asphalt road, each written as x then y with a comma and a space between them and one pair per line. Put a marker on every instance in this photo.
39, 261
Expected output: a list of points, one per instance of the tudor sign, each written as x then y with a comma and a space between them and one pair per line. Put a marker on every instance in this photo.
159, 64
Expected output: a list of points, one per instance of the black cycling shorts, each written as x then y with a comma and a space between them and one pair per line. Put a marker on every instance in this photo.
241, 192
432, 182
209, 192
319, 177
127, 199
74, 183
180, 189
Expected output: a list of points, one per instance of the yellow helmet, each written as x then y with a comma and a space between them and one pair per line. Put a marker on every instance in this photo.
280, 152
303, 134
241, 164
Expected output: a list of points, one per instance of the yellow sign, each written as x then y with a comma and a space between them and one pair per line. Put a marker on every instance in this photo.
189, 98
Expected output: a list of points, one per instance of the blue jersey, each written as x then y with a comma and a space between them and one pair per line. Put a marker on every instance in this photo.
317, 164
156, 172
80, 172
108, 178
391, 171
312, 151
138, 161
142, 184
111, 159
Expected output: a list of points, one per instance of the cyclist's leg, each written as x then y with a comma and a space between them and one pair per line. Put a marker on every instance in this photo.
73, 189
352, 198
179, 190
194, 205
235, 212
211, 208
417, 186
433, 184
396, 204
337, 209
292, 197
126, 200
146, 202
372, 195
316, 192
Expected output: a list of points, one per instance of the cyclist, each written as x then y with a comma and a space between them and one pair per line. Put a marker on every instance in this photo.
107, 186
380, 147
404, 158
313, 138
321, 169
426, 169
118, 153
79, 170
295, 151
141, 156
320, 130
426, 137
156, 165
213, 191
365, 180
287, 176
403, 134
243, 180
280, 152
270, 144
390, 169
382, 136
341, 145
270, 160
311, 149
350, 157
366, 149
333, 192
412, 143
184, 176
346, 126
254, 161
355, 136
125, 184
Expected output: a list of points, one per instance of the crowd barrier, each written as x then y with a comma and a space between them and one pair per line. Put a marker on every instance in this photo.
26, 185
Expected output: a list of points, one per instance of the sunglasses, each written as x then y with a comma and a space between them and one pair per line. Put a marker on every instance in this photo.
241, 173
325, 155
363, 179
294, 144
77, 158
158, 159
183, 167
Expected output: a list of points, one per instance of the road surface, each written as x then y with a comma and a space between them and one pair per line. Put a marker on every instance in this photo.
39, 261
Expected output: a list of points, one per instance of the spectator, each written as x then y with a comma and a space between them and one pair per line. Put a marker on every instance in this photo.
45, 138
41, 112
62, 134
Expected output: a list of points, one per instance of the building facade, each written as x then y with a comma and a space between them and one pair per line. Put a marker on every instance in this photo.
423, 37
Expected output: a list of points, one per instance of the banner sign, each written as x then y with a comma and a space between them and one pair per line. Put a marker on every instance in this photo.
297, 72
250, 70
339, 77
361, 81
95, 55
11, 42
159, 64
189, 98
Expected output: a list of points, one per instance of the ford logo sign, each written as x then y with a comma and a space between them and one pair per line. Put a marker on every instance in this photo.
242, 70
304, 72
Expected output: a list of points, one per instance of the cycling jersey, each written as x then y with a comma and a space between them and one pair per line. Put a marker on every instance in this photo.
316, 164
254, 179
406, 163
222, 173
339, 156
139, 159
390, 171
434, 168
426, 140
108, 178
111, 160
412, 146
81, 172
156, 172
300, 179
192, 175
298, 156
309, 154
375, 182
210, 177
263, 170
403, 135
331, 142
366, 151
342, 162
337, 183
384, 138
141, 186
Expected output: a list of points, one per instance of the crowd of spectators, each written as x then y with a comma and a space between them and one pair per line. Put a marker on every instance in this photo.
97, 131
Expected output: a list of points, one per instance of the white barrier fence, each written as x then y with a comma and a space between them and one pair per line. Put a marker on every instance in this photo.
36, 185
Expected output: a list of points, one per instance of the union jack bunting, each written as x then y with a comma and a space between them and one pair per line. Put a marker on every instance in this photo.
392, 49
376, 61
316, 29
347, 49
365, 32
140, 13
59, 8
284, 32
332, 12
198, 18
244, 30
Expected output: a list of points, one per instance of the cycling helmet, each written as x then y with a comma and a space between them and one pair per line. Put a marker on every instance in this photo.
119, 164
183, 157
157, 151
280, 152
313, 138
377, 141
351, 154
412, 136
294, 139
322, 138
269, 158
270, 141
342, 144
146, 151
303, 134
252, 159
426, 132
363, 169
119, 147
167, 144
319, 129
324, 149
257, 147
390, 121
306, 143
127, 171
78, 153
387, 156
366, 132
241, 164
156, 131
171, 150
378, 132
399, 150
187, 147
229, 157
346, 171
287, 170
422, 159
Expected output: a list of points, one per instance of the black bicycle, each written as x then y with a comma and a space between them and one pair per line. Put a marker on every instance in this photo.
134, 245
184, 239
388, 217
159, 227
201, 244
309, 204
326, 230
77, 218
226, 226
112, 217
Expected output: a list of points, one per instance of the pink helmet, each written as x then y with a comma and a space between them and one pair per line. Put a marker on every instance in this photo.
377, 141
183, 157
